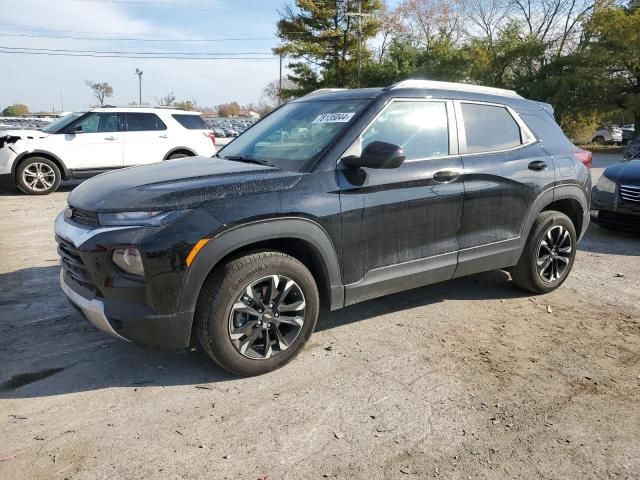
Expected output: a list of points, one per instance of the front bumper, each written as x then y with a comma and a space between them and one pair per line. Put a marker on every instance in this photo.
93, 310
609, 209
141, 310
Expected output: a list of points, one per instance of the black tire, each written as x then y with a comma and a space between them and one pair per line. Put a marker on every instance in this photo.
220, 293
174, 156
525, 274
28, 181
599, 140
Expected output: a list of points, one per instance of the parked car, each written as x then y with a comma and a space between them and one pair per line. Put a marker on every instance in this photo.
391, 189
628, 133
82, 144
632, 149
616, 196
608, 134
13, 123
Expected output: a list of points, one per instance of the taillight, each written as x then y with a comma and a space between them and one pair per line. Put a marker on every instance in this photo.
211, 136
585, 156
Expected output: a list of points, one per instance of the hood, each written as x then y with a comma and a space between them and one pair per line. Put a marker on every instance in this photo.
626, 172
23, 134
177, 184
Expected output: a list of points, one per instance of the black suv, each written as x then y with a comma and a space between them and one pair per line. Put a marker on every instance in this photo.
334, 198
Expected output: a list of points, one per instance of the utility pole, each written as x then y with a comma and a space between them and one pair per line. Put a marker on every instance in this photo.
139, 73
280, 81
359, 16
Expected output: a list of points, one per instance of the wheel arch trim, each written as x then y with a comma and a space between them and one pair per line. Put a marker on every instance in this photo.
44, 153
179, 149
245, 235
546, 198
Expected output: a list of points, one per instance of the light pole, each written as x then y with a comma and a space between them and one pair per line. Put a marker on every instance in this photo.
139, 73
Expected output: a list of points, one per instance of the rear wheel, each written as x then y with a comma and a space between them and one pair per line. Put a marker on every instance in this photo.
256, 312
599, 140
548, 255
38, 176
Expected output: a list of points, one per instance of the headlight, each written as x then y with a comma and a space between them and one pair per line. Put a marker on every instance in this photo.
129, 260
606, 185
152, 219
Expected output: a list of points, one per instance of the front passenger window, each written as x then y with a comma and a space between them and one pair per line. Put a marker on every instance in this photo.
99, 123
420, 128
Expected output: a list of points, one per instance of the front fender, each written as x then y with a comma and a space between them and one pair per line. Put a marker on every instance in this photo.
240, 236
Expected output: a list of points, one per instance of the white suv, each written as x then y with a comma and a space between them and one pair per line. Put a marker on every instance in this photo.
84, 144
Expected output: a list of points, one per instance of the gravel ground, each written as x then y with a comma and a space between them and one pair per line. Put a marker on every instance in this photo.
472, 378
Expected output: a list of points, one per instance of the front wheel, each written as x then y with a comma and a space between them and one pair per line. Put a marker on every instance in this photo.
38, 176
256, 312
548, 255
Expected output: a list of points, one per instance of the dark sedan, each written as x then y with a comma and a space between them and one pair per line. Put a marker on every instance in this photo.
615, 200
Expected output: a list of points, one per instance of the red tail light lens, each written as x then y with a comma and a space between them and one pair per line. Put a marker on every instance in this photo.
211, 136
585, 156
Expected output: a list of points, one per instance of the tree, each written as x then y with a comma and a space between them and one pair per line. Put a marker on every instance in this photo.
100, 90
614, 33
186, 105
229, 109
321, 36
16, 110
167, 101
271, 92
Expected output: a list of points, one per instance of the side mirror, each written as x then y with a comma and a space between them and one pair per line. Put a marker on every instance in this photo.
377, 155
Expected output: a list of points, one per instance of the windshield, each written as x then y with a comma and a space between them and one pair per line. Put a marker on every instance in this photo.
293, 136
62, 122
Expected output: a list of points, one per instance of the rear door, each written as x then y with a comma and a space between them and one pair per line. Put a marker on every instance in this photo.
97, 143
145, 139
400, 226
505, 170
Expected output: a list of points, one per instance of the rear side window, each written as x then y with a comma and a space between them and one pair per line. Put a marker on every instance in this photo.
420, 128
489, 128
144, 122
191, 122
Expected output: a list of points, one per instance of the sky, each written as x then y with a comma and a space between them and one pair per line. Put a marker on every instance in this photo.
46, 82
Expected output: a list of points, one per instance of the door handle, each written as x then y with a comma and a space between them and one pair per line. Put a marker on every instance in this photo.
538, 165
445, 176
163, 136
110, 138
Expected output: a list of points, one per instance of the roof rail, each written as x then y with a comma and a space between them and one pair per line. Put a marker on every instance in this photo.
464, 87
320, 91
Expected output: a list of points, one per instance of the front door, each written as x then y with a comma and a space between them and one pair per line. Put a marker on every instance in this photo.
400, 226
96, 143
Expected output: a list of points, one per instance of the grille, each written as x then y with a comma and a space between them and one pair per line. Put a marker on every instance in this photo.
85, 217
74, 270
630, 193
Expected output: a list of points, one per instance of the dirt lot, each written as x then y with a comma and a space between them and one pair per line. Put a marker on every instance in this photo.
468, 379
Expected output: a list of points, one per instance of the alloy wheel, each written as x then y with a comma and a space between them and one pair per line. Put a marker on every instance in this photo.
266, 317
38, 176
554, 254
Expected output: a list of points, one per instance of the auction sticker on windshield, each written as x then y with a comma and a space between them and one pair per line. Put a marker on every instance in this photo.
334, 117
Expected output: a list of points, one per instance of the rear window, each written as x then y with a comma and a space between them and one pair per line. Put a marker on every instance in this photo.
489, 128
144, 122
191, 122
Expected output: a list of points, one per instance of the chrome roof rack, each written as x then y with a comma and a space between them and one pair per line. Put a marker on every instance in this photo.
463, 87
320, 91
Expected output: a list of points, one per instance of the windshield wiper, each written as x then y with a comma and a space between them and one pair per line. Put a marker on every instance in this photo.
242, 158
